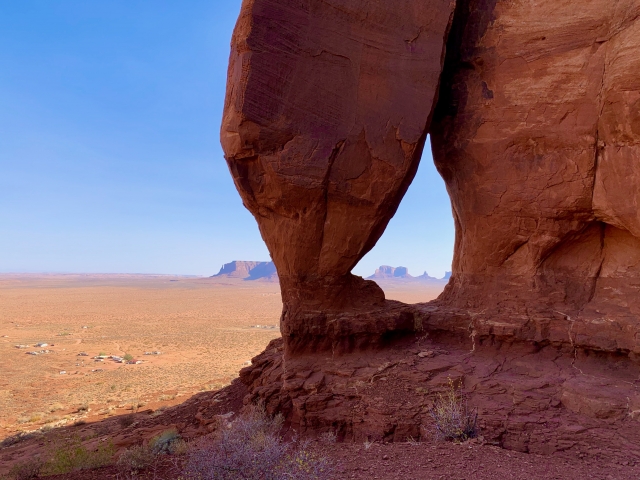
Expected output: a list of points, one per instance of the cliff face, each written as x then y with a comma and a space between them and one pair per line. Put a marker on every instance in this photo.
536, 131
537, 136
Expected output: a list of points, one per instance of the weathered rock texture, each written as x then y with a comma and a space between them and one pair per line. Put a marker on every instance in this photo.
328, 107
536, 132
528, 398
537, 135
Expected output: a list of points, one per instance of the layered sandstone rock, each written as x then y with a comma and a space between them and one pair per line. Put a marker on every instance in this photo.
529, 399
536, 133
327, 111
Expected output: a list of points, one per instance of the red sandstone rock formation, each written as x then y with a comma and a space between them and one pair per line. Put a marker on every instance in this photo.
327, 110
536, 133
528, 398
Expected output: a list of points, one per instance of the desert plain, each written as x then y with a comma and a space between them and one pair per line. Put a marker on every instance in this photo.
197, 334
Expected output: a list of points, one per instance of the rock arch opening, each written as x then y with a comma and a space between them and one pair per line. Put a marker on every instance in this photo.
412, 260
327, 111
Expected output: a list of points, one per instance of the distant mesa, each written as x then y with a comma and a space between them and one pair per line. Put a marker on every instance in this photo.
265, 271
387, 273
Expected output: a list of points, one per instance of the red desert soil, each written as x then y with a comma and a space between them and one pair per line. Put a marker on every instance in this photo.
426, 460
204, 329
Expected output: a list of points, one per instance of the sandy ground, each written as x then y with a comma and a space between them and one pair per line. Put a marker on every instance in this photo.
204, 329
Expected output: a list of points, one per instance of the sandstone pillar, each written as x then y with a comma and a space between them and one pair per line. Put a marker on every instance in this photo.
327, 110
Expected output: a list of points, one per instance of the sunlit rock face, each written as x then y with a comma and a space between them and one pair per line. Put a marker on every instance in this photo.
327, 110
534, 113
537, 135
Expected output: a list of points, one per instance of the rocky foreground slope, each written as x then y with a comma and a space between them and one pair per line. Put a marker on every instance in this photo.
533, 113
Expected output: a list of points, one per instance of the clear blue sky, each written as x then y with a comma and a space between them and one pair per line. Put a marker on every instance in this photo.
109, 153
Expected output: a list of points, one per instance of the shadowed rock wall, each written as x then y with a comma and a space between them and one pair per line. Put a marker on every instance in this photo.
536, 133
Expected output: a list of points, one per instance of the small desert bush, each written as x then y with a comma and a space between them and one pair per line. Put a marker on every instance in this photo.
329, 437
69, 454
251, 449
165, 442
127, 357
141, 457
453, 419
36, 417
17, 438
136, 458
126, 420
26, 470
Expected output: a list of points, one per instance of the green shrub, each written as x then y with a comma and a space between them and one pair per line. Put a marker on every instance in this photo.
141, 457
26, 470
136, 458
69, 454
165, 442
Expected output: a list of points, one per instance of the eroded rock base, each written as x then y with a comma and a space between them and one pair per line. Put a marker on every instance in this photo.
529, 398
348, 331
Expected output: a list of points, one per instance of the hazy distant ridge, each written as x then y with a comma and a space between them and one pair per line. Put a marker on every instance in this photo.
388, 273
266, 271
249, 271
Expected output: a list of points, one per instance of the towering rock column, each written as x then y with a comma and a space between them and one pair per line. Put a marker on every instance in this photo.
327, 110
537, 135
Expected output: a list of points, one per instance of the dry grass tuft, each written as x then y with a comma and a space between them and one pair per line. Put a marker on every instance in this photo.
453, 419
